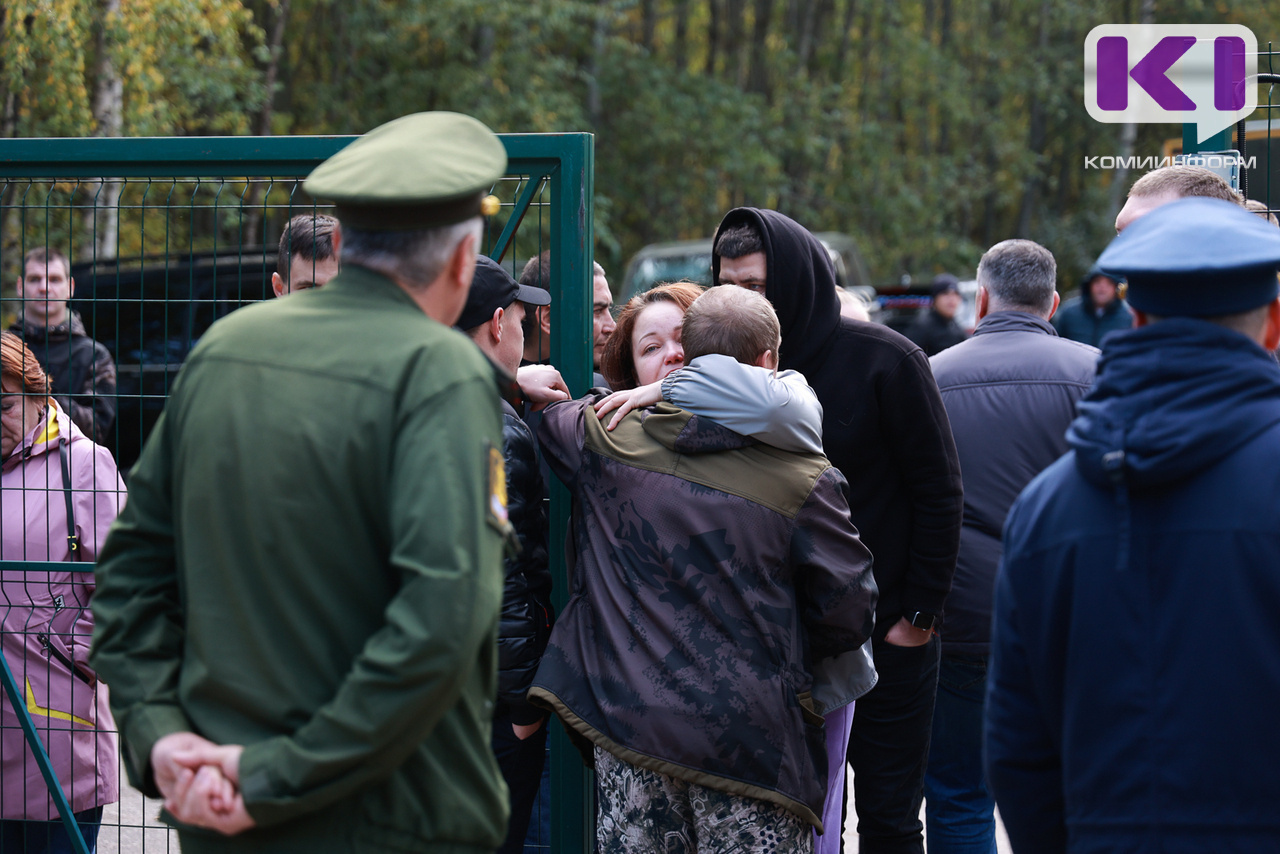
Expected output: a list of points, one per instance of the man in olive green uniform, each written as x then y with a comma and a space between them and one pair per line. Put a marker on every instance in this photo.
297, 611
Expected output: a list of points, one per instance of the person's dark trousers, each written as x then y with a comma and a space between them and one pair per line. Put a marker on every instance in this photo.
959, 810
48, 837
521, 764
538, 839
889, 746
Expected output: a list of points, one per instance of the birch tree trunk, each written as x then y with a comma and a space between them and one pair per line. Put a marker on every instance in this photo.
102, 217
252, 205
1128, 138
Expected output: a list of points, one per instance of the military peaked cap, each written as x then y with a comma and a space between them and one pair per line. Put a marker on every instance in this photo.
420, 171
1197, 257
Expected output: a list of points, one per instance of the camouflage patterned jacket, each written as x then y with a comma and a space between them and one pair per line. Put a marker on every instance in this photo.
708, 573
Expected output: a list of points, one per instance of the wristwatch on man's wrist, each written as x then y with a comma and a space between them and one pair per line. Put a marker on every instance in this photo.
922, 620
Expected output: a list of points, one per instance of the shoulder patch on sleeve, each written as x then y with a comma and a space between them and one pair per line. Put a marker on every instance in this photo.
497, 512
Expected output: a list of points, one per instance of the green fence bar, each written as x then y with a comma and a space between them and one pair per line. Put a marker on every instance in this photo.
193, 198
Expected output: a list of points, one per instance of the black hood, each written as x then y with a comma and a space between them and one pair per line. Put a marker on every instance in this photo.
801, 283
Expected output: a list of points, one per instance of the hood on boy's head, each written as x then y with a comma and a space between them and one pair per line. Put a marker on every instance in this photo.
801, 281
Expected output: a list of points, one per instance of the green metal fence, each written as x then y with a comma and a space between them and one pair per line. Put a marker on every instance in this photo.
168, 235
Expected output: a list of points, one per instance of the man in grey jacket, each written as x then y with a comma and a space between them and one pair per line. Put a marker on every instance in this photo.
1015, 379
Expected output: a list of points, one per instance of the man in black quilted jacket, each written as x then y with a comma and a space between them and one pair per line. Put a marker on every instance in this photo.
81, 369
492, 318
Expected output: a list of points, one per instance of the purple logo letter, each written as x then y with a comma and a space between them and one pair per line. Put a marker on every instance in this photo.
1113, 73
1149, 73
1228, 74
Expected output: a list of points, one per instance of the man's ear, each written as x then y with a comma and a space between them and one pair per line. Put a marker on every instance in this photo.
984, 302
336, 237
462, 264
544, 319
277, 284
72, 291
495, 325
1053, 309
1271, 332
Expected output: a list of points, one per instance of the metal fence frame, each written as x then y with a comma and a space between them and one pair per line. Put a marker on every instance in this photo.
565, 161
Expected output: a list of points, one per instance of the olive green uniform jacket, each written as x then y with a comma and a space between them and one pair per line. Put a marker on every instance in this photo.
310, 565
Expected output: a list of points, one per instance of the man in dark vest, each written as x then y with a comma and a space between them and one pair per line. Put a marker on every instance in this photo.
1016, 379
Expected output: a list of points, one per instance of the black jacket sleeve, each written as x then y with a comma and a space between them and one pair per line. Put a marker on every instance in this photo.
525, 624
919, 433
92, 401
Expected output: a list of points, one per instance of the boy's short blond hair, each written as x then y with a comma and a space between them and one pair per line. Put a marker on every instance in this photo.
731, 321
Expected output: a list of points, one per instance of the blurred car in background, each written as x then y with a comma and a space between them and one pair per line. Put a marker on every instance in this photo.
690, 260
899, 304
150, 312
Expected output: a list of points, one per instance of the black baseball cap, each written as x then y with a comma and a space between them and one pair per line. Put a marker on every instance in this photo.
492, 288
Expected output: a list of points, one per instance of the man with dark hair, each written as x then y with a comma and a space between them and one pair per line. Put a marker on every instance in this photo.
537, 321
537, 328
1133, 681
885, 428
935, 329
492, 318
82, 372
1098, 310
1168, 184
1016, 379
307, 257
298, 610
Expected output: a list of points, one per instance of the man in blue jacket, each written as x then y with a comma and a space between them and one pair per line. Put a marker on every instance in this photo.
1135, 659
1014, 378
1099, 310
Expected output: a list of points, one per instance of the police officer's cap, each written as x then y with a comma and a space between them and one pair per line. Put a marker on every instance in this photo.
1197, 257
420, 171
492, 288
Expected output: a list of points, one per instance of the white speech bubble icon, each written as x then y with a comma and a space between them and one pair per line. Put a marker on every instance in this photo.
1204, 74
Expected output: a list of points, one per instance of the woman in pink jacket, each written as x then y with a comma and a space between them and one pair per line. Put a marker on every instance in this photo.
59, 493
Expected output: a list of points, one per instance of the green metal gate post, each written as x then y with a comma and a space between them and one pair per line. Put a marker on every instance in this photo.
1218, 142
565, 161
573, 792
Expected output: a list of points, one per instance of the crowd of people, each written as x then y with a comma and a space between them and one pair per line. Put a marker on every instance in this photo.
1028, 565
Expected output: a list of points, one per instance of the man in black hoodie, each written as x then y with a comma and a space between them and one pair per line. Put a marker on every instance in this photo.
885, 428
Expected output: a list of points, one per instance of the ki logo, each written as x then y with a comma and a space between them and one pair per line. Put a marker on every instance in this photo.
1203, 74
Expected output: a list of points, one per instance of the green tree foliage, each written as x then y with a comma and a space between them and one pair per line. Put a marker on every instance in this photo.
107, 68
928, 129
185, 66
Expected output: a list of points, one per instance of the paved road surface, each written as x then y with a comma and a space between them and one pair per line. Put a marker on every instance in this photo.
131, 827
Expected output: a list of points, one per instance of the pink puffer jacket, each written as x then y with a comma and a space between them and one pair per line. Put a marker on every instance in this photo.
47, 624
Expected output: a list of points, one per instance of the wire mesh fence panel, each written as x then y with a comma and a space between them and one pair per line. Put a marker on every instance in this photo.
113, 268
1262, 136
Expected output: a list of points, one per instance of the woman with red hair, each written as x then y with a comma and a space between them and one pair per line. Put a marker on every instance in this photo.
59, 493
